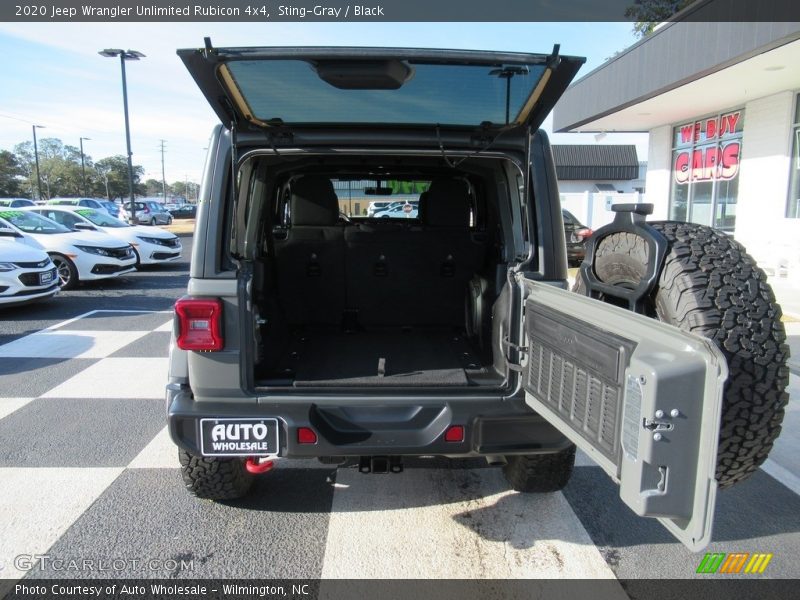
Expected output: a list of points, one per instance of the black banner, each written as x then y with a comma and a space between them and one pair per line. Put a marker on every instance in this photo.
716, 588
388, 10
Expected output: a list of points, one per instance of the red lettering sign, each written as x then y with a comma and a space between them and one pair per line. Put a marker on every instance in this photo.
708, 164
686, 133
730, 161
711, 129
682, 168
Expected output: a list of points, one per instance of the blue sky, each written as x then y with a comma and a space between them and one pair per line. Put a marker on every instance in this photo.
53, 76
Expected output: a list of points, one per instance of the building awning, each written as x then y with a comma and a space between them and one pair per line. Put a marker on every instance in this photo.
596, 161
681, 71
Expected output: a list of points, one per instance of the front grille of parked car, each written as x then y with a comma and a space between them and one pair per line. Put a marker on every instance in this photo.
33, 265
3, 288
32, 279
107, 269
120, 252
164, 255
31, 292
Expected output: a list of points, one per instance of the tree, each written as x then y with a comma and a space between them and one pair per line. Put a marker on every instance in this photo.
153, 187
649, 13
113, 174
59, 167
11, 174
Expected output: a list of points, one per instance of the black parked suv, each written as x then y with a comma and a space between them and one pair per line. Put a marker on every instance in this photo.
309, 334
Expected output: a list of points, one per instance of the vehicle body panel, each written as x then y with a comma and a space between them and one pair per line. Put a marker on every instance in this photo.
152, 245
26, 274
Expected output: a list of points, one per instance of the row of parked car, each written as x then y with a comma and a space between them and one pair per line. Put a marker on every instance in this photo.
148, 212
51, 247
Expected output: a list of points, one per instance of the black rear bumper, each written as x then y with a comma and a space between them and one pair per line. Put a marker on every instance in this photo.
351, 428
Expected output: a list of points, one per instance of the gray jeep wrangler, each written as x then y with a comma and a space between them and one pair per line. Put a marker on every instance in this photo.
311, 330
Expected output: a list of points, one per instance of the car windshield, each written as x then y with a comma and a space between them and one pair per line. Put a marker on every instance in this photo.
298, 91
100, 219
30, 222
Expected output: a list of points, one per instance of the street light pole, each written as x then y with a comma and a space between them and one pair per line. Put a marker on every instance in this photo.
83, 167
36, 156
123, 56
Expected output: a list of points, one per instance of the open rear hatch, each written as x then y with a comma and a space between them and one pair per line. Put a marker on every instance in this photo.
300, 89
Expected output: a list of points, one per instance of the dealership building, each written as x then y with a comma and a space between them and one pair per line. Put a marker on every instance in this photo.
720, 104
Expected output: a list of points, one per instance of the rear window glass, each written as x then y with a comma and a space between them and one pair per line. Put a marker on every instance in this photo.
362, 198
291, 91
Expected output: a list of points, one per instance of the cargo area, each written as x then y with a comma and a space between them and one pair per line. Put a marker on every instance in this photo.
389, 290
388, 356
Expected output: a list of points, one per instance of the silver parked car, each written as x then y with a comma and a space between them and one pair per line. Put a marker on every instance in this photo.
148, 212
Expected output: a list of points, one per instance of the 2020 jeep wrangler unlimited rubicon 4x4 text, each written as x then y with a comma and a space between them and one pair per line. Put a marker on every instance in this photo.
312, 330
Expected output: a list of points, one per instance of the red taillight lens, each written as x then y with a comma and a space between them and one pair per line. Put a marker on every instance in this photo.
454, 433
199, 324
584, 234
306, 435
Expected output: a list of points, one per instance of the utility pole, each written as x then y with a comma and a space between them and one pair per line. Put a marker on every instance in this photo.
163, 177
36, 154
123, 56
83, 167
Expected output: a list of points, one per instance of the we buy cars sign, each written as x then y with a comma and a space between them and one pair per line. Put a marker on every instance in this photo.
714, 154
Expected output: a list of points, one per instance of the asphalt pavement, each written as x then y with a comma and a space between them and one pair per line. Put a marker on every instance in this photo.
89, 473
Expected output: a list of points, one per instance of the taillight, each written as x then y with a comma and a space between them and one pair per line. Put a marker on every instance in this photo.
306, 435
583, 234
199, 324
454, 433
147, 210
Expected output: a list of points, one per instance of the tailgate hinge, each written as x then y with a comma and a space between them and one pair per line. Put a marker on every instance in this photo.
521, 352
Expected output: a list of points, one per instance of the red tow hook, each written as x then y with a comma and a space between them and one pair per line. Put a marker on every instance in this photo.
255, 467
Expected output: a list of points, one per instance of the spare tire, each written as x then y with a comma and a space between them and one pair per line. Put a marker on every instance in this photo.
710, 286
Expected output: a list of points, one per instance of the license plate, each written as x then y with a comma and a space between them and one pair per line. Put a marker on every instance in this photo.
238, 437
46, 277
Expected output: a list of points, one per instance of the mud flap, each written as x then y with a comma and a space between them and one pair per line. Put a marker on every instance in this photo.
640, 397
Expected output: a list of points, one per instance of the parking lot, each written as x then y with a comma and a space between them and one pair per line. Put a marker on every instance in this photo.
90, 474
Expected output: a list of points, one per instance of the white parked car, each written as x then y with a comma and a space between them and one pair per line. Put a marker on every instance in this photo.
152, 245
398, 211
96, 203
26, 273
78, 255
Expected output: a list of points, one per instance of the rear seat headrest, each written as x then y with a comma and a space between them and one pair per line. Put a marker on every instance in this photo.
313, 202
445, 204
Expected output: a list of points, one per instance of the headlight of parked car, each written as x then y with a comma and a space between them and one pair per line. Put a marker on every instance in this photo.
7, 267
94, 250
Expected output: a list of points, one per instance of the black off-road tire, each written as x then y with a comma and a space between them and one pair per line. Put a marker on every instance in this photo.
710, 286
214, 478
540, 473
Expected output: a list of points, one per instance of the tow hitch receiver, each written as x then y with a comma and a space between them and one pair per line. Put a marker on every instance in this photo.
256, 466
380, 464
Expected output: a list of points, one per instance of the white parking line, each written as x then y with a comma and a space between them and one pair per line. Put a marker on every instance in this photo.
69, 344
116, 378
160, 453
68, 321
783, 475
449, 523
9, 405
38, 505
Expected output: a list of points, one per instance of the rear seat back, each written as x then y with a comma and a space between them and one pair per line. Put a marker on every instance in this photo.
310, 261
450, 256
404, 274
381, 260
